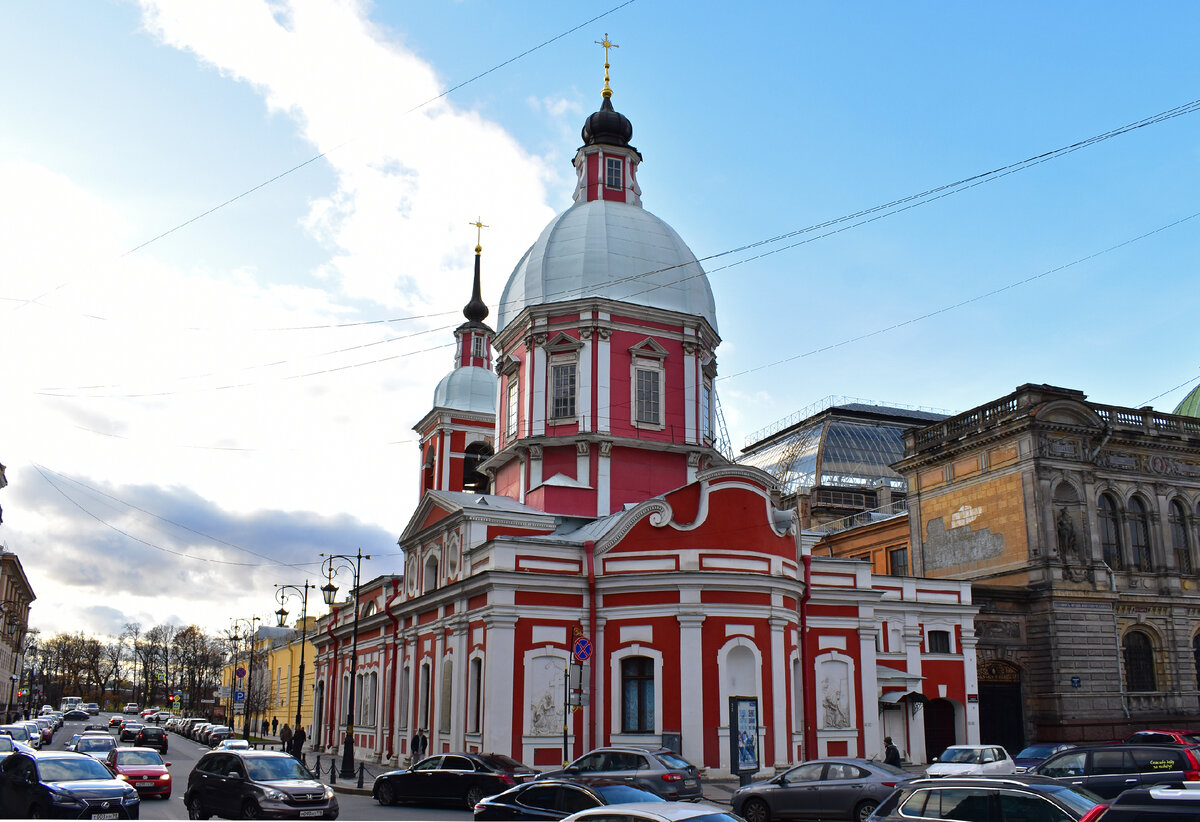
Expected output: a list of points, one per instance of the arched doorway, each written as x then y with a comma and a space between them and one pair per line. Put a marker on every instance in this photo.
939, 727
1001, 714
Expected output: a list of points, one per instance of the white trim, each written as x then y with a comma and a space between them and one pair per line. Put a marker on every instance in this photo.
603, 382
535, 418
614, 667
583, 388
724, 694
691, 397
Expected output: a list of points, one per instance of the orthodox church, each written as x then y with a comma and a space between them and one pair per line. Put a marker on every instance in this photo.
585, 568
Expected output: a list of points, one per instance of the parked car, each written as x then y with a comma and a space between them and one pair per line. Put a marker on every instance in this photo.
61, 783
989, 799
92, 708
115, 721
1034, 754
148, 737
458, 778
1158, 736
76, 715
95, 745
9, 745
20, 733
46, 727
129, 730
35, 733
656, 812
972, 760
555, 798
249, 783
233, 744
142, 768
1106, 770
1158, 804
821, 789
219, 733
660, 771
130, 708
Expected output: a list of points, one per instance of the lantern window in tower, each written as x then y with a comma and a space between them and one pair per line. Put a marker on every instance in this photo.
510, 409
613, 172
563, 388
706, 411
648, 404
477, 347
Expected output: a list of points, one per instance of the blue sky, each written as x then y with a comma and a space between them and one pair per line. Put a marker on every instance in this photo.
158, 392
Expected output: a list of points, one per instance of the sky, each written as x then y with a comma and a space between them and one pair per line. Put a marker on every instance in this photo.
235, 240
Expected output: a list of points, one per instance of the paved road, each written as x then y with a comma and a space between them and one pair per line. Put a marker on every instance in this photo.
182, 755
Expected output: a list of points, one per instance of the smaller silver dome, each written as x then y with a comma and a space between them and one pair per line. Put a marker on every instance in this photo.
469, 388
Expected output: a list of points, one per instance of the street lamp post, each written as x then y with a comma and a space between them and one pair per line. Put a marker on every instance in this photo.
250, 630
281, 594
331, 565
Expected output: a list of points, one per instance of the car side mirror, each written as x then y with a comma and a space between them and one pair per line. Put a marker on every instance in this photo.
167, 764
234, 775
935, 759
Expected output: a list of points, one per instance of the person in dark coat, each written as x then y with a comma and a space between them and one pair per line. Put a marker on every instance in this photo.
266, 726
891, 754
274, 725
419, 744
285, 736
298, 742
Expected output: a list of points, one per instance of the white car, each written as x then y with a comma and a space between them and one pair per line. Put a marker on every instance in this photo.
972, 760
655, 812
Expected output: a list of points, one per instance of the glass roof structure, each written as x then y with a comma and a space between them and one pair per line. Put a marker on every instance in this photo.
845, 446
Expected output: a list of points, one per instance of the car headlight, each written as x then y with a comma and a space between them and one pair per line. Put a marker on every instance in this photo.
130, 798
274, 795
63, 798
329, 792
122, 777
165, 777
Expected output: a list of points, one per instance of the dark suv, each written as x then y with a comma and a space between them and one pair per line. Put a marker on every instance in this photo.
248, 783
989, 799
151, 738
1106, 770
660, 771
1157, 804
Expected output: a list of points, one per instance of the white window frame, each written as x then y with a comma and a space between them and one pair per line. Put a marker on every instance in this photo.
557, 362
611, 164
511, 408
477, 347
651, 357
706, 411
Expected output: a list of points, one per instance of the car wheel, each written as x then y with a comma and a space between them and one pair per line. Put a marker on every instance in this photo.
386, 794
250, 810
474, 794
755, 810
865, 809
36, 813
195, 810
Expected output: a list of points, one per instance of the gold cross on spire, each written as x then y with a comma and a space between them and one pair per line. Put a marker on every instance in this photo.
479, 227
607, 45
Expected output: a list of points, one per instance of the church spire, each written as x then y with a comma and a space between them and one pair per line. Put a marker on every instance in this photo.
476, 310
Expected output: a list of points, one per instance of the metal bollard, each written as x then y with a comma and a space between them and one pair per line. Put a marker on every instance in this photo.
361, 768
333, 771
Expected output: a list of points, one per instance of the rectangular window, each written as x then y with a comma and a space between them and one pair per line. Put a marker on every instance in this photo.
563, 402
898, 562
706, 411
477, 347
637, 695
939, 642
510, 427
648, 396
613, 177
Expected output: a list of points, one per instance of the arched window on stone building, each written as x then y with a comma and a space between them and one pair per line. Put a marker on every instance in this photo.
1139, 536
1138, 652
1179, 538
1110, 533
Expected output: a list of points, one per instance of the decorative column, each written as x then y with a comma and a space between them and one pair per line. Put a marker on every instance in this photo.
498, 673
691, 685
868, 635
779, 690
462, 670
971, 680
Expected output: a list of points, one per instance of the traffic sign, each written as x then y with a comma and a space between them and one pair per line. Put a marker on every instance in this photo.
241, 672
239, 696
582, 649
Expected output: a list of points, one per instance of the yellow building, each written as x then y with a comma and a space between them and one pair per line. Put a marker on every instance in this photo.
286, 694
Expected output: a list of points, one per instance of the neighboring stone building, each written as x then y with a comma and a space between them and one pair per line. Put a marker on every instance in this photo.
1078, 524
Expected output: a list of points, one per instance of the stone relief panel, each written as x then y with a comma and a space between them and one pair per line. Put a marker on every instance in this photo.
545, 680
834, 676
959, 546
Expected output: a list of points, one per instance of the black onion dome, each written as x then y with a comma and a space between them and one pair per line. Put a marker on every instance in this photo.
476, 310
607, 127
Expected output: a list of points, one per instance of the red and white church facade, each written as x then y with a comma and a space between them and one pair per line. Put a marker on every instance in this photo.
570, 489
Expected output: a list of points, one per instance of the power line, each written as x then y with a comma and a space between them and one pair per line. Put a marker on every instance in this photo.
1190, 382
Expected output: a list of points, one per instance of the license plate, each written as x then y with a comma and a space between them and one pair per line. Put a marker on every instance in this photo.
690, 782
143, 784
312, 813
104, 816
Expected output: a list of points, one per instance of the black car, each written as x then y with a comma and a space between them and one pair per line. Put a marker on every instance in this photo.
248, 783
63, 784
1106, 770
76, 715
149, 737
456, 778
1157, 804
557, 798
989, 799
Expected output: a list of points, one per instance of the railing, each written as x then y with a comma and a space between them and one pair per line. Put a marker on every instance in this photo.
863, 517
824, 404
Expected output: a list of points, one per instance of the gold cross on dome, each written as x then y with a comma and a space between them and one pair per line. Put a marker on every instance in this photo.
607, 45
479, 227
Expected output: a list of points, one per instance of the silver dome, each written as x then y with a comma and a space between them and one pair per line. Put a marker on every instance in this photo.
469, 388
608, 249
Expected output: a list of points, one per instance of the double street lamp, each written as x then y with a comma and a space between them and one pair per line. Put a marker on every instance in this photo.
281, 593
247, 625
332, 564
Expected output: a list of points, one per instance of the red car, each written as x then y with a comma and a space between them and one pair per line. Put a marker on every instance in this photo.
142, 768
1159, 736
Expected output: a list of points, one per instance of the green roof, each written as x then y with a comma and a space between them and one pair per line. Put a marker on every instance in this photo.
1190, 407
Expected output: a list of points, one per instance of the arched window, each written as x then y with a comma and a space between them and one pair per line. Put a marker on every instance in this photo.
474, 695
1138, 652
1139, 536
444, 699
1110, 534
474, 481
1179, 538
429, 579
637, 695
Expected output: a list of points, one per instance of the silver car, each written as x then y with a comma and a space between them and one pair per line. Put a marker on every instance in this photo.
821, 789
660, 771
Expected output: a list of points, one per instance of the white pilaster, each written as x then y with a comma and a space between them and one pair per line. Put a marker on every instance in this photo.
586, 420
458, 700
691, 400
498, 707
536, 413
868, 631
603, 376
779, 688
604, 479
691, 685
436, 735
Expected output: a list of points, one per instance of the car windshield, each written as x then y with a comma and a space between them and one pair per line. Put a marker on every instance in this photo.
263, 769
66, 770
138, 758
500, 762
1036, 751
1077, 799
673, 761
88, 744
616, 794
17, 732
961, 755
6, 743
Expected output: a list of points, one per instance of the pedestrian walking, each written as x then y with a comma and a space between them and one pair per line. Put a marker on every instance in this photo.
274, 725
419, 744
891, 754
298, 742
285, 736
266, 726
